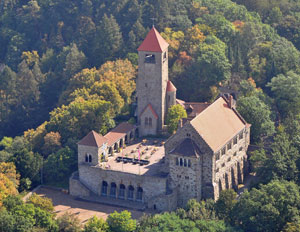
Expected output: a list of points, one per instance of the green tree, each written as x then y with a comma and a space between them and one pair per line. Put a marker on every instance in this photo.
95, 224
257, 113
175, 114
121, 222
268, 208
225, 204
68, 223
286, 90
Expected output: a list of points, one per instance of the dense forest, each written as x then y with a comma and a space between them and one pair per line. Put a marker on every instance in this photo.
67, 67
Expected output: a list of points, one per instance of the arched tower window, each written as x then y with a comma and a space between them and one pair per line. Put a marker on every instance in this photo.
113, 189
86, 158
90, 158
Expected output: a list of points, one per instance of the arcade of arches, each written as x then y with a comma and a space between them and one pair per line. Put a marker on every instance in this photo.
121, 191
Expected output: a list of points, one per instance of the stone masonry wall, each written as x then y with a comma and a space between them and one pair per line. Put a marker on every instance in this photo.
146, 129
92, 177
152, 83
229, 163
94, 151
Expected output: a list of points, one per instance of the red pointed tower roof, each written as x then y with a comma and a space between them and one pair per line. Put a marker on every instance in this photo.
153, 42
171, 87
93, 139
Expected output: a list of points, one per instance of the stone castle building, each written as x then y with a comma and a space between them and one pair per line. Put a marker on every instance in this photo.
207, 154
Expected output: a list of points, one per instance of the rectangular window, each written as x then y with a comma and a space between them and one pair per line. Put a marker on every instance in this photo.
229, 146
223, 150
235, 140
150, 58
241, 135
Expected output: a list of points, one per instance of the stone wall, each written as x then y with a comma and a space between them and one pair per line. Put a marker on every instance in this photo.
147, 129
76, 188
94, 151
152, 83
92, 177
229, 163
164, 202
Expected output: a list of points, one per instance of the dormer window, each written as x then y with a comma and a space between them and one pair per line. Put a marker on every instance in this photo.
150, 58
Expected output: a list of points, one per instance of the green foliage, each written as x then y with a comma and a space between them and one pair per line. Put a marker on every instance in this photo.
175, 114
95, 224
68, 223
281, 163
286, 90
257, 113
269, 207
80, 117
121, 222
225, 204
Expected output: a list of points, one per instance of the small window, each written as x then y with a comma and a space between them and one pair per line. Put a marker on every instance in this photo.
229, 146
150, 58
223, 151
86, 158
189, 163
241, 135
188, 135
90, 158
181, 162
235, 140
184, 163
177, 161
150, 122
146, 121
187, 177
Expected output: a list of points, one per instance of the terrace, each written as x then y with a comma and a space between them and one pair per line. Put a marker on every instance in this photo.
150, 162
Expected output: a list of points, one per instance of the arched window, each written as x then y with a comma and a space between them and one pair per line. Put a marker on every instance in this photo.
177, 161
90, 158
150, 122
113, 189
104, 188
146, 121
184, 162
139, 194
189, 163
181, 162
130, 192
86, 158
122, 191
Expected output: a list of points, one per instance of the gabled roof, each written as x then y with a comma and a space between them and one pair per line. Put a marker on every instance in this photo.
187, 148
118, 132
93, 139
171, 87
153, 42
218, 123
152, 110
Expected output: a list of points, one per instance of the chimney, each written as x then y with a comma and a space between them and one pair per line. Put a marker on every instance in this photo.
231, 102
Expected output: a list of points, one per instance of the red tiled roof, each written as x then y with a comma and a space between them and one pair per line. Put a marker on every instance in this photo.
218, 123
171, 87
93, 139
153, 42
196, 107
152, 110
118, 132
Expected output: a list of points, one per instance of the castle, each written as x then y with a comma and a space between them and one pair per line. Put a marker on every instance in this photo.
207, 154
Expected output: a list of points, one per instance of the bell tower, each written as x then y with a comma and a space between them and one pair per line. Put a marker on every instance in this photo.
152, 83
